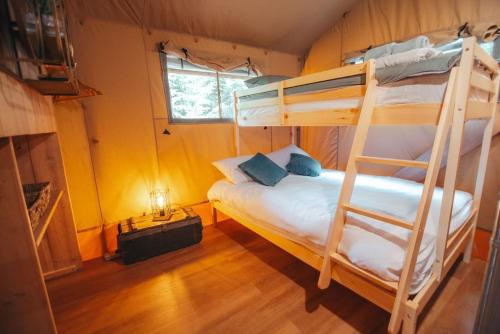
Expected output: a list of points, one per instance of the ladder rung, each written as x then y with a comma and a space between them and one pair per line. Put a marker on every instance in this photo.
378, 216
393, 162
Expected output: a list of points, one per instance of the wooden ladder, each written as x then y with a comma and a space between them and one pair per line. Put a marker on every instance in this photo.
356, 157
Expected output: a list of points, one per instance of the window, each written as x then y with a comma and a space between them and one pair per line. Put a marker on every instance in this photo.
198, 94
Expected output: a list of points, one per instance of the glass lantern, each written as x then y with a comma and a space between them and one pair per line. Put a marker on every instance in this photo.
160, 204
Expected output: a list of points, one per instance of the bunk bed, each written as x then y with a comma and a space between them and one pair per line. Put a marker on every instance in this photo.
350, 95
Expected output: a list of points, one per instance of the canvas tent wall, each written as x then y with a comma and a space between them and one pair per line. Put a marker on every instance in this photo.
114, 145
375, 22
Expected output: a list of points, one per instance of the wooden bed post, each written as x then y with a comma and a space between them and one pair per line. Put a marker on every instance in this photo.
214, 214
455, 145
399, 308
281, 103
236, 128
483, 161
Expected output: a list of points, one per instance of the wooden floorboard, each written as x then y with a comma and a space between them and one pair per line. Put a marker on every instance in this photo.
236, 282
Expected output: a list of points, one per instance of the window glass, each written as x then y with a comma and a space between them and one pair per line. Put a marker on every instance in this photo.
195, 93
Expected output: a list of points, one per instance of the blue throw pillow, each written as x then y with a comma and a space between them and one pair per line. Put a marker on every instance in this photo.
263, 170
303, 165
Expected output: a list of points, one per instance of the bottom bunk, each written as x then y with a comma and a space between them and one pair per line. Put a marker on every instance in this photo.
295, 215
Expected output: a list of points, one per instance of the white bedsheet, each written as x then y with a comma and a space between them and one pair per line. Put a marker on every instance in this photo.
301, 208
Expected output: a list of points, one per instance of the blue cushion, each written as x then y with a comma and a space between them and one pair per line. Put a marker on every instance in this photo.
303, 165
263, 170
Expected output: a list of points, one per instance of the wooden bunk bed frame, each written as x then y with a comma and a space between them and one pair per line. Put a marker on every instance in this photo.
450, 115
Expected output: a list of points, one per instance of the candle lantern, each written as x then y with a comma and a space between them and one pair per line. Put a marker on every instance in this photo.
160, 204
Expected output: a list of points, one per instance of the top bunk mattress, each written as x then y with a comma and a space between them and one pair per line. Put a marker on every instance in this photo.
300, 208
414, 90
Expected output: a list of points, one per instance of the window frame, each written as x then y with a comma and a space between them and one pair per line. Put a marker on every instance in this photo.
177, 120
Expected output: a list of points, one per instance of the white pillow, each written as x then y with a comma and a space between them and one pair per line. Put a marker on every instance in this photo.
229, 167
282, 157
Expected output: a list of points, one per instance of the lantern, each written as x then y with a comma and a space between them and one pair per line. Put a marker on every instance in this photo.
160, 204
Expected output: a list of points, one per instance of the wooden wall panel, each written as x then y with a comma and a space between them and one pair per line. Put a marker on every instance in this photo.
78, 164
33, 112
61, 234
24, 304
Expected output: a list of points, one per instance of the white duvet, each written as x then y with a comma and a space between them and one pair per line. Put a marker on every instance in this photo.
301, 208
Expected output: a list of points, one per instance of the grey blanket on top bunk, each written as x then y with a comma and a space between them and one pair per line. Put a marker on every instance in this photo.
440, 64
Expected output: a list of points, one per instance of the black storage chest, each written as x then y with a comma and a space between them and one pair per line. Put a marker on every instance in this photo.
140, 241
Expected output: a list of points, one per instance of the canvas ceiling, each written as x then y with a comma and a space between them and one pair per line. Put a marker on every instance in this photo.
289, 26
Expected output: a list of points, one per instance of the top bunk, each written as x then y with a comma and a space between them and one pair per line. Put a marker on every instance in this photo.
405, 94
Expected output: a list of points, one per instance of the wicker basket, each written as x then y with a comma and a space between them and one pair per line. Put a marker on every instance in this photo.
37, 196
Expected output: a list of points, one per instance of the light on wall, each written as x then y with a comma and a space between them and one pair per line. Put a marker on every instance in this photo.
160, 204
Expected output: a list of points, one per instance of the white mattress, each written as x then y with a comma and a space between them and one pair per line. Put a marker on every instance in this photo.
421, 89
301, 208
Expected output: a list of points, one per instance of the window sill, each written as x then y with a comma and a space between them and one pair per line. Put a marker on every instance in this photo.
200, 120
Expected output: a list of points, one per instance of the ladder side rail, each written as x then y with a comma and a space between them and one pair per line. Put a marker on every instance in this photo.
453, 161
236, 127
483, 160
413, 249
337, 224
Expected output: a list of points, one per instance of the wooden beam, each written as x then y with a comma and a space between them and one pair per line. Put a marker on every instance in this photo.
302, 253
411, 114
340, 72
392, 162
259, 89
458, 235
390, 286
480, 82
378, 216
479, 109
332, 94
485, 59
60, 272
397, 114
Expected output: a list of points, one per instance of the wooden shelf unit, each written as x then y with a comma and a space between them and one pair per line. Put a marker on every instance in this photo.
30, 153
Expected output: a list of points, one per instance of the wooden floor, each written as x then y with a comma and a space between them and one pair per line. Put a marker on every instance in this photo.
237, 282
